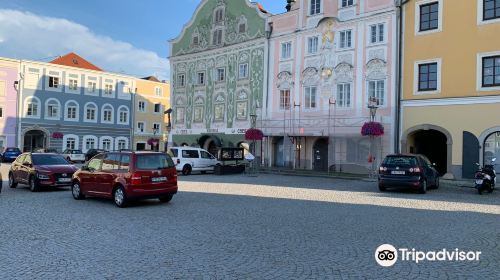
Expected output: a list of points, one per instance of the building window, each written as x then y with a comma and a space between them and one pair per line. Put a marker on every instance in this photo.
343, 95
1, 112
52, 109
140, 127
242, 28
221, 72
376, 89
32, 108
286, 50
198, 114
179, 115
106, 144
91, 86
90, 144
217, 37
491, 9
73, 84
377, 33
142, 106
70, 143
181, 80
90, 112
196, 41
347, 3
158, 92
429, 16
157, 108
156, 128
285, 99
107, 114
108, 89
315, 7
491, 71
122, 145
243, 71
123, 115
219, 112
310, 97
241, 110
427, 76
219, 15
312, 45
345, 39
201, 78
53, 82
71, 111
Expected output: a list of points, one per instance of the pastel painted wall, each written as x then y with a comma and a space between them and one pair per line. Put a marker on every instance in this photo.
8, 102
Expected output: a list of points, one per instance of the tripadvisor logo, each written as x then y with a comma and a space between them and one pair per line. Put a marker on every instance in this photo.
387, 255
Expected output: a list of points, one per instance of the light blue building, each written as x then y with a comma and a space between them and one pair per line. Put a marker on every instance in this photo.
71, 103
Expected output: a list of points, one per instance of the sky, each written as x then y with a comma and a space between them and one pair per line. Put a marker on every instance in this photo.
123, 36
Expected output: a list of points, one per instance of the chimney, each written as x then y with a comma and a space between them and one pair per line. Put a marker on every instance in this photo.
289, 5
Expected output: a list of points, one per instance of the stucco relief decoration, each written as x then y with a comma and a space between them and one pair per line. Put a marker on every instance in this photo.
327, 50
202, 65
344, 73
220, 98
310, 76
376, 69
243, 57
180, 101
181, 67
242, 95
199, 100
285, 80
377, 53
221, 61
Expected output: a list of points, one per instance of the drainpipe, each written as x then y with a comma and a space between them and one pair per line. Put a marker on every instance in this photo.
19, 98
399, 70
269, 32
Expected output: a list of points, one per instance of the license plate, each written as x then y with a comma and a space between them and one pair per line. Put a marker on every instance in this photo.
64, 180
398, 172
479, 182
158, 179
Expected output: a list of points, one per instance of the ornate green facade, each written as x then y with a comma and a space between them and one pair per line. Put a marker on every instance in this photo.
217, 65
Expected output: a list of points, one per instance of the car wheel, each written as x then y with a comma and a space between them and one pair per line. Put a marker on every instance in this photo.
34, 184
423, 187
77, 191
120, 197
382, 188
12, 181
167, 198
186, 169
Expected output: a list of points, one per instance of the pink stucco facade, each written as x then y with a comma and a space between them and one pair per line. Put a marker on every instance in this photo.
330, 61
8, 102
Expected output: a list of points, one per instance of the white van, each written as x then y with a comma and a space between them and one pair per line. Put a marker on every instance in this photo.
188, 159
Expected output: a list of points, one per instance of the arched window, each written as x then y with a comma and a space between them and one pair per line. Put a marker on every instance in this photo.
52, 109
107, 113
123, 115
32, 107
70, 141
90, 113
121, 143
71, 111
106, 143
89, 142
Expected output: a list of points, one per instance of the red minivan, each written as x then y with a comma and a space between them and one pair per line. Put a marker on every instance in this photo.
124, 176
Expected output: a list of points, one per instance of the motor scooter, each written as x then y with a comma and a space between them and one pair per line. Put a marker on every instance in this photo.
486, 177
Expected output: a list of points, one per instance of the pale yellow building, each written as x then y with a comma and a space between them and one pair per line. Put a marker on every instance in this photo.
451, 83
152, 99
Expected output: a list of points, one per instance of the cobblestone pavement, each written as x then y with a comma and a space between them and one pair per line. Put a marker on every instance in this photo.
240, 227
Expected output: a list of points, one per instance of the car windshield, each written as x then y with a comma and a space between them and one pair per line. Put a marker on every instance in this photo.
76, 152
154, 162
172, 152
48, 160
13, 150
400, 161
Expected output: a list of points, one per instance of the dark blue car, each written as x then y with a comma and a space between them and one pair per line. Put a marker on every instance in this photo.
10, 154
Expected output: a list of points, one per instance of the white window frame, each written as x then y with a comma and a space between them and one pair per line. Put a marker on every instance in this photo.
47, 117
77, 111
183, 84
480, 15
348, 6
310, 11
308, 91
101, 142
60, 81
159, 128
310, 44
91, 79
282, 53
67, 84
139, 106
338, 104
284, 108
416, 76
158, 92
84, 142
138, 130
201, 80
113, 86
160, 111
377, 35
96, 113
33, 99
33, 71
221, 74
65, 141
384, 97
479, 72
117, 142
103, 110
245, 66
346, 47
417, 17
118, 115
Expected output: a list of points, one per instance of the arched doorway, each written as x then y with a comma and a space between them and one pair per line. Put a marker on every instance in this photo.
278, 146
433, 144
210, 143
34, 139
320, 155
492, 149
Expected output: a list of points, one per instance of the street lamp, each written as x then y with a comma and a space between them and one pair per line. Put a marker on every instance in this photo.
373, 106
155, 144
169, 126
331, 101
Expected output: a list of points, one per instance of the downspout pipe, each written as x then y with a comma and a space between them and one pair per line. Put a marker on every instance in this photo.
399, 64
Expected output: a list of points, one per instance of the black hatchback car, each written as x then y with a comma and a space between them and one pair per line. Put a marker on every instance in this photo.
407, 171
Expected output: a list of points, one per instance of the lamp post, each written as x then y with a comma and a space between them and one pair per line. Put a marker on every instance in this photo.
372, 106
331, 101
253, 122
169, 126
155, 144
297, 139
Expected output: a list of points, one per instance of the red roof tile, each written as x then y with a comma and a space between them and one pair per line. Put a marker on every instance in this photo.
74, 60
